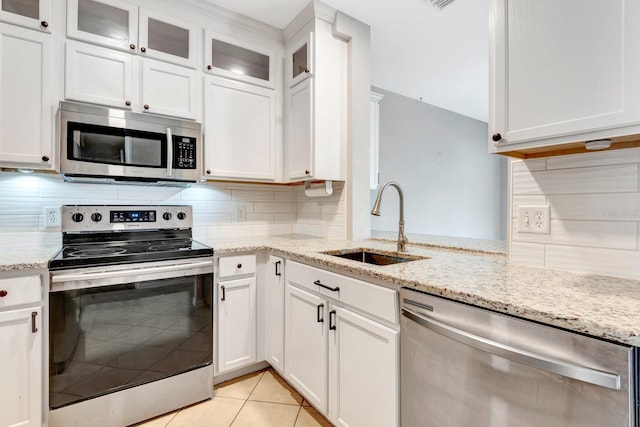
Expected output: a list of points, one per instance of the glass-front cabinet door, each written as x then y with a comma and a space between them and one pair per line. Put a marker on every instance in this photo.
167, 39
111, 23
299, 59
34, 14
239, 61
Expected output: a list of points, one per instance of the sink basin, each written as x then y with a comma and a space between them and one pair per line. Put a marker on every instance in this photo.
374, 256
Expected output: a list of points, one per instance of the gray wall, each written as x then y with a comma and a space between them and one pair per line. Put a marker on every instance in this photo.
451, 185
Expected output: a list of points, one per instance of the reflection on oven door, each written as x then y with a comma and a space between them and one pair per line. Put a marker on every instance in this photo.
109, 338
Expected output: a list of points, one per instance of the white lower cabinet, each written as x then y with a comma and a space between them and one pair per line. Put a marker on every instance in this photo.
363, 370
275, 313
21, 352
343, 362
306, 344
236, 315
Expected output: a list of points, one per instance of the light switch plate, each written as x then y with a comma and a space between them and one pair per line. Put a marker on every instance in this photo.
534, 219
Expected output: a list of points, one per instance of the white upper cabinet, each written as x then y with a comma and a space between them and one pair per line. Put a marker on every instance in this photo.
234, 59
563, 73
26, 103
35, 14
169, 89
120, 25
315, 101
239, 130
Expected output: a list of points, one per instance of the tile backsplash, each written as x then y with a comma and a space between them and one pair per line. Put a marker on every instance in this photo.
221, 210
595, 212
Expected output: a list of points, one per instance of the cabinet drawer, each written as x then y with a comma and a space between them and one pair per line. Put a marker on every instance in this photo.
19, 290
374, 299
237, 265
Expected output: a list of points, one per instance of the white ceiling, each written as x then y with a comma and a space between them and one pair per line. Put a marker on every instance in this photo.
418, 50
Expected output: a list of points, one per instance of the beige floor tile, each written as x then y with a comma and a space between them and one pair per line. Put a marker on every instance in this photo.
239, 388
272, 388
160, 421
218, 412
264, 414
309, 417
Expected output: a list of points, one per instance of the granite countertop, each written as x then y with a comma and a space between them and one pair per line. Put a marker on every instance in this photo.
599, 306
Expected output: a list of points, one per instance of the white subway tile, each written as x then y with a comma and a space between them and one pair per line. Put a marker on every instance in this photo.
608, 262
14, 223
149, 193
273, 207
527, 254
600, 234
251, 196
529, 165
258, 218
281, 218
229, 231
630, 155
74, 190
229, 207
204, 193
601, 179
609, 207
284, 196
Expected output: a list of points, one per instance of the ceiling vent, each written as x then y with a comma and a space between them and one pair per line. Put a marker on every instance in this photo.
440, 3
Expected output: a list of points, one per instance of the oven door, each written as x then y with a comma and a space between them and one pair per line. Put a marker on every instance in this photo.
117, 327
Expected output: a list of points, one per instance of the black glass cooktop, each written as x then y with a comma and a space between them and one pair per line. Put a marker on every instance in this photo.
104, 252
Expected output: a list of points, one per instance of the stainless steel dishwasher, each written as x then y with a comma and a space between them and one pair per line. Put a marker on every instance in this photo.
465, 366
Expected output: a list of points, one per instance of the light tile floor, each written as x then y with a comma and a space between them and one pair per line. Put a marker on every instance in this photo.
261, 399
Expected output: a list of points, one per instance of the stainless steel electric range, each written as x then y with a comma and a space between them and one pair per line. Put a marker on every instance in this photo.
130, 315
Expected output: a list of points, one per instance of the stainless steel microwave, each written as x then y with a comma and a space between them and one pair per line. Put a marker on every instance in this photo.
113, 145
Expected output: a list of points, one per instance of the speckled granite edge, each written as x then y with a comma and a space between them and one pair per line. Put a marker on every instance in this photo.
603, 307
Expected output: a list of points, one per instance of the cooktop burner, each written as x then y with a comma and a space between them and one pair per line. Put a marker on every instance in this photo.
107, 235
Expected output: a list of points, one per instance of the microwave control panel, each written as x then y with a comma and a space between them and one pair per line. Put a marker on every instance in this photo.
184, 152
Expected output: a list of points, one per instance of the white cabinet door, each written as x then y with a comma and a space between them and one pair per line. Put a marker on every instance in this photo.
26, 106
275, 313
306, 345
111, 23
300, 55
167, 39
555, 79
169, 89
363, 371
300, 128
239, 130
21, 361
34, 14
236, 323
98, 75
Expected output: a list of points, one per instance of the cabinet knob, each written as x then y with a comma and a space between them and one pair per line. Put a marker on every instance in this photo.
306, 172
44, 24
208, 171
146, 106
132, 46
3, 293
127, 103
496, 137
306, 71
239, 266
45, 158
209, 67
143, 49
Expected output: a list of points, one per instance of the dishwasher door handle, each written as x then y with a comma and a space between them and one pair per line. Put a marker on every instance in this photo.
556, 366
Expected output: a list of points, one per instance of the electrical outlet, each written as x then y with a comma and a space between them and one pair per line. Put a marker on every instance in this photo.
51, 217
241, 213
534, 219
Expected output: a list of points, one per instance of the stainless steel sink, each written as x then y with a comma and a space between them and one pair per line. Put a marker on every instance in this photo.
374, 256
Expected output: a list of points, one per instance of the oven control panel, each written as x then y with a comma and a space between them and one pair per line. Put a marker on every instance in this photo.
112, 218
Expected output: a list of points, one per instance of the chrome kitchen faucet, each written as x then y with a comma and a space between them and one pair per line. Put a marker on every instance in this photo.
402, 239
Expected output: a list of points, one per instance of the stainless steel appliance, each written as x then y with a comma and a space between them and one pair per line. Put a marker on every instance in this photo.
465, 366
130, 315
108, 144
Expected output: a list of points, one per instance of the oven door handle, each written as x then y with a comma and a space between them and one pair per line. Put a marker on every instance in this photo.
588, 375
61, 278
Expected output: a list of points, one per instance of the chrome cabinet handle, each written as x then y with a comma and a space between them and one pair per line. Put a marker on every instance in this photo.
336, 289
588, 375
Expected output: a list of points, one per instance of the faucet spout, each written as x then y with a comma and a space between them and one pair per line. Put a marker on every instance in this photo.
402, 239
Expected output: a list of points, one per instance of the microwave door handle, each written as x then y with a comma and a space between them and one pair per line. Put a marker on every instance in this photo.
169, 152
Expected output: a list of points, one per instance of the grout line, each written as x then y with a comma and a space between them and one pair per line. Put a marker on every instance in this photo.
172, 418
297, 416
247, 399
